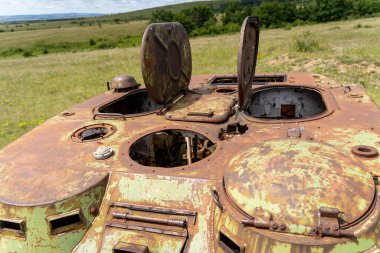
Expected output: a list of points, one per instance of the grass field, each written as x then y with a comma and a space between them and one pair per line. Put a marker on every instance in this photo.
70, 39
36, 88
145, 14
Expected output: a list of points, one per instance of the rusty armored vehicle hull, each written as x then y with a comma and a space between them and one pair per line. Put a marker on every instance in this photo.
280, 162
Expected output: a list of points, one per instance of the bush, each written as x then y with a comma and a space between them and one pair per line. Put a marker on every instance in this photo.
306, 42
162, 15
105, 44
92, 42
27, 53
275, 14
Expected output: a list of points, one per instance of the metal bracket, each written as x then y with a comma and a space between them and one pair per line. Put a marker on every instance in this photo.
329, 224
261, 224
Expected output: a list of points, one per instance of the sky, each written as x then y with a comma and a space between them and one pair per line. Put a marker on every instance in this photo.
27, 7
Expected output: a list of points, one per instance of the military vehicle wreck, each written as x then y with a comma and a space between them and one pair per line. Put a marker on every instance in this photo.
283, 162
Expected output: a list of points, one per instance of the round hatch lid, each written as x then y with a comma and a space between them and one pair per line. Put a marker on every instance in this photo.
165, 61
248, 49
288, 180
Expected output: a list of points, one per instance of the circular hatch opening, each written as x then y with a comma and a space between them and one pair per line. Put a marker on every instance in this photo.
93, 132
284, 103
171, 148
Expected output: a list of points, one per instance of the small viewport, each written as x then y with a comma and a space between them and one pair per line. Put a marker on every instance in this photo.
66, 222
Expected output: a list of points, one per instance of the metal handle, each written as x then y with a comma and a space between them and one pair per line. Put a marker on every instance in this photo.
109, 115
169, 222
201, 114
216, 199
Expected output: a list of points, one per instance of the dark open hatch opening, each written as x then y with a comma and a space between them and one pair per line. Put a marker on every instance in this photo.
132, 103
285, 103
171, 148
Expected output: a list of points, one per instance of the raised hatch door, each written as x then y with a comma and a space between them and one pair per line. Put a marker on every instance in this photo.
248, 48
165, 61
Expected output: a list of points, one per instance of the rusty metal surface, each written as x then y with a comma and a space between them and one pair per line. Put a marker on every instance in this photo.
277, 179
165, 61
247, 57
49, 167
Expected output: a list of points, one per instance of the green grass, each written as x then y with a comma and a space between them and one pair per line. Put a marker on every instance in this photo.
34, 89
71, 39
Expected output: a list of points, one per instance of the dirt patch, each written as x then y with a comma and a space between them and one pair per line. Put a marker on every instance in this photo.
342, 68
282, 59
373, 69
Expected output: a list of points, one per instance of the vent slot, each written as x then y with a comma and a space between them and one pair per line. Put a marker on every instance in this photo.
123, 247
257, 80
229, 245
65, 222
10, 226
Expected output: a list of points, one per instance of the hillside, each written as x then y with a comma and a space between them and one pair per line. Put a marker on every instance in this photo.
57, 23
45, 17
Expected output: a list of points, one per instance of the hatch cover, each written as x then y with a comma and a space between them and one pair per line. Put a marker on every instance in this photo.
165, 61
202, 108
290, 179
248, 48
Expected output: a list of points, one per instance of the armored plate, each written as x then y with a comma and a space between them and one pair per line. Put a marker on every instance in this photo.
248, 48
165, 61
200, 108
290, 179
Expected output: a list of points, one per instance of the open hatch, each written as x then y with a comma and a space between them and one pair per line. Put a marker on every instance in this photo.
285, 102
171, 148
166, 70
133, 103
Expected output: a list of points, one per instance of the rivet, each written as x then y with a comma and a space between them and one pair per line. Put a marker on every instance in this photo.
93, 210
274, 226
282, 226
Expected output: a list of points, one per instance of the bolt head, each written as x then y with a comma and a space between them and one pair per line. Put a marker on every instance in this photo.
93, 210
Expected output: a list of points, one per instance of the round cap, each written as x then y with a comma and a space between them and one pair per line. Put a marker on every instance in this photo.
165, 61
103, 152
290, 179
248, 48
123, 82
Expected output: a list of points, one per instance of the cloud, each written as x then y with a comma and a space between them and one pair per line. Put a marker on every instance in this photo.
21, 7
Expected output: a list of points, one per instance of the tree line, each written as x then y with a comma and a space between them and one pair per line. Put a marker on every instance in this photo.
200, 20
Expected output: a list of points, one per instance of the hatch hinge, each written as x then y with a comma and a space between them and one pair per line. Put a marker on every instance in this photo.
261, 224
329, 221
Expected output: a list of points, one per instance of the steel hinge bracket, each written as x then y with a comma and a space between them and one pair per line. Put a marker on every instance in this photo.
329, 224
